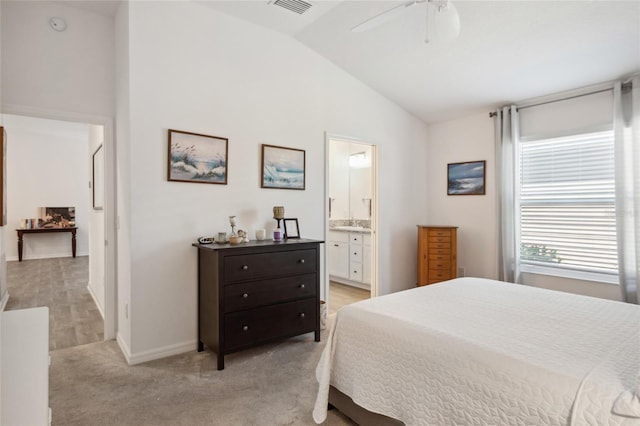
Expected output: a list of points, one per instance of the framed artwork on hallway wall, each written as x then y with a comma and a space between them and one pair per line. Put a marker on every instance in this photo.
197, 158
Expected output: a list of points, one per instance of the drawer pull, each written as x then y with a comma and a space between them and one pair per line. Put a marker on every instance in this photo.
336, 245
301, 260
245, 267
302, 315
245, 328
245, 295
355, 253
301, 285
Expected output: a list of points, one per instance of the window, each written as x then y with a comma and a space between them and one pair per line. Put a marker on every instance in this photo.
567, 206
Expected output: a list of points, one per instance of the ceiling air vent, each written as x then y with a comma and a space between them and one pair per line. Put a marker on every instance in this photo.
297, 6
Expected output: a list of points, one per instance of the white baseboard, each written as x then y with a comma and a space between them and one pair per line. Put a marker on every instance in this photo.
95, 300
5, 299
43, 256
159, 353
124, 348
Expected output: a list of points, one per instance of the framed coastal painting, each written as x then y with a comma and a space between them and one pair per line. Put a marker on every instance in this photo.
466, 178
283, 168
197, 158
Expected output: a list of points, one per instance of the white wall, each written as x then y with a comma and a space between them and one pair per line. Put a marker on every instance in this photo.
213, 74
47, 167
62, 71
470, 139
467, 139
123, 177
96, 225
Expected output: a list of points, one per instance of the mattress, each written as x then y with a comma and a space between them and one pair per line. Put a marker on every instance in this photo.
473, 351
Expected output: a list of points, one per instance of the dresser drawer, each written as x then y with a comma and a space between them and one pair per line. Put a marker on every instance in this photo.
440, 239
440, 264
434, 257
259, 265
245, 328
439, 274
266, 292
439, 233
440, 248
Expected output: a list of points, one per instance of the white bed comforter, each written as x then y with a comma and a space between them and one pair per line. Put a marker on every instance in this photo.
479, 352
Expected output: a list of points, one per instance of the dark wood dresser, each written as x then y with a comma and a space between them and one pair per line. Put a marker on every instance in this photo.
255, 292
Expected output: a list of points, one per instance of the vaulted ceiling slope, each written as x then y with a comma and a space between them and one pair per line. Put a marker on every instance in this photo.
507, 51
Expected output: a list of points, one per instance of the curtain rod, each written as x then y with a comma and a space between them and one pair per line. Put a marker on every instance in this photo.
625, 86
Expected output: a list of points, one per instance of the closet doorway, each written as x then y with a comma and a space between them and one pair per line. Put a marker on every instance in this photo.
351, 221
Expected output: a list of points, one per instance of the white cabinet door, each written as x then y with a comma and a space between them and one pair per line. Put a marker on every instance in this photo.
339, 259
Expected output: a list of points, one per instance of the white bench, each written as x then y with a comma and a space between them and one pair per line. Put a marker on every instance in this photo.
24, 374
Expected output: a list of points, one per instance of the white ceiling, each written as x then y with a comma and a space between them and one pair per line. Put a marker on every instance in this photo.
507, 51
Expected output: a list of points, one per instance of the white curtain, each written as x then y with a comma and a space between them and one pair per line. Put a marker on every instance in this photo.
506, 131
627, 145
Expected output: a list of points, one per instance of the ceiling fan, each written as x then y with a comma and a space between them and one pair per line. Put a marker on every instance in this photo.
443, 22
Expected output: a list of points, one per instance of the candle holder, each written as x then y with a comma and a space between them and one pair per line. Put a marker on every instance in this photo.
278, 214
232, 222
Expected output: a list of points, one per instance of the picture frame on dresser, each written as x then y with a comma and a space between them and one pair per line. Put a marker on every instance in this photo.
197, 158
466, 178
291, 228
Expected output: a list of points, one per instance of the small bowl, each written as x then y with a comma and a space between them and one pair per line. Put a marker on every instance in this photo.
235, 240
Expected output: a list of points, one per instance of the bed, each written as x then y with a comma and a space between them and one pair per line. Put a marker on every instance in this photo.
473, 351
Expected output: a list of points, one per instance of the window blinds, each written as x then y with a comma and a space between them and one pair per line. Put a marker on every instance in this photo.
567, 202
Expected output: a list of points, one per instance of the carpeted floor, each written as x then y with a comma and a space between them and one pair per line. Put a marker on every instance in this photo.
61, 285
269, 385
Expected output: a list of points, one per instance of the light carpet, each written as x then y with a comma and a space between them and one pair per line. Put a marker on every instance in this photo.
272, 384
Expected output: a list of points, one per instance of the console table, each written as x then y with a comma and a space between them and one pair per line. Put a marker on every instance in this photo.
22, 231
256, 292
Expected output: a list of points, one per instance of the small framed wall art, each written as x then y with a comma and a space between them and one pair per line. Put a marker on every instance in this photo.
198, 158
466, 178
282, 167
291, 228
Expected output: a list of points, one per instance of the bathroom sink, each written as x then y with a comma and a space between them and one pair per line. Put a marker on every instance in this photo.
351, 228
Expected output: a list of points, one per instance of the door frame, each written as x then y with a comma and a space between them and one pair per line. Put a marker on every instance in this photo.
374, 210
110, 265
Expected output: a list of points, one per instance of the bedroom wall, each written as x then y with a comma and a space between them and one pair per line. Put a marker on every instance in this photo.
47, 167
469, 139
213, 74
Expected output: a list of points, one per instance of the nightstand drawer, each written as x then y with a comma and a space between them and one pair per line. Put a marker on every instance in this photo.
245, 328
259, 265
266, 292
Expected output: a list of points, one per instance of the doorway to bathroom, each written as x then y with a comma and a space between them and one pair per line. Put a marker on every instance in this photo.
351, 221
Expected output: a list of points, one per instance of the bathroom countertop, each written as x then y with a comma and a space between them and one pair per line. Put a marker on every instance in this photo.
352, 229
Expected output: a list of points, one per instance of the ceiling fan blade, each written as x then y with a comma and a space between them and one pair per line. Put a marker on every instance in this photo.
384, 16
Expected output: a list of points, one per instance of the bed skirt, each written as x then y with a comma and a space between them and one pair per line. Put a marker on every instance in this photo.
360, 415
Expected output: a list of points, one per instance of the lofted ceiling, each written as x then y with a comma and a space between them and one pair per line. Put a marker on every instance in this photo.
507, 51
